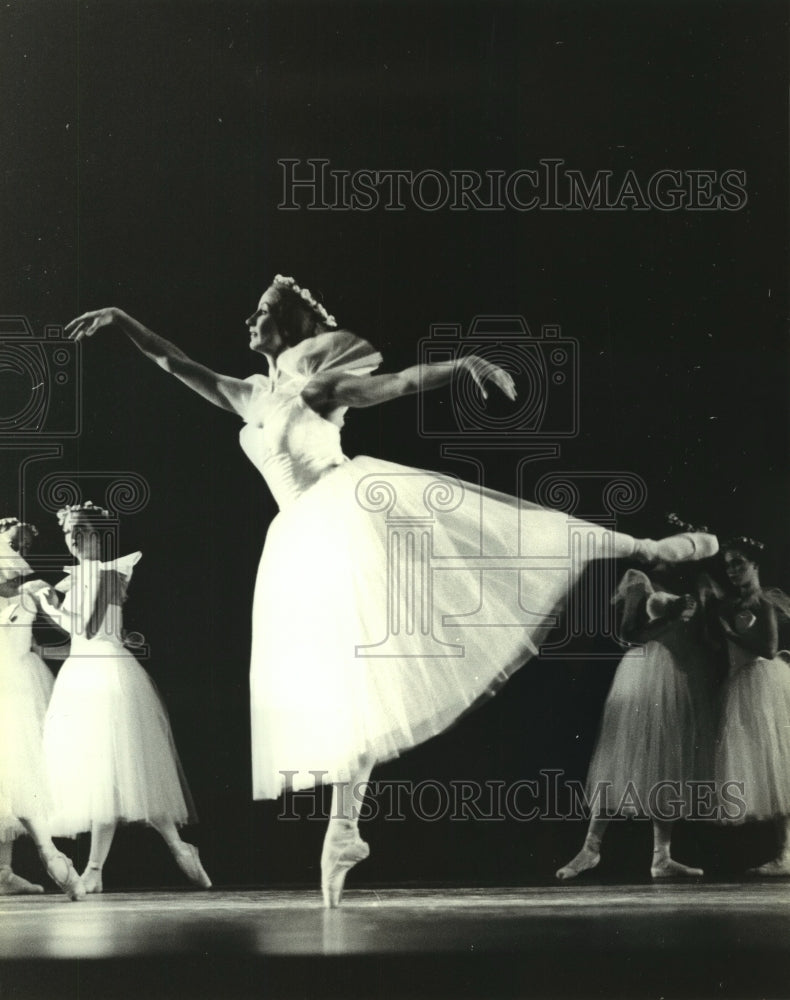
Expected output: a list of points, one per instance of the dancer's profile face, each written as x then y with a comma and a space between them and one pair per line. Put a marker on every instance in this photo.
19, 538
266, 337
740, 569
81, 541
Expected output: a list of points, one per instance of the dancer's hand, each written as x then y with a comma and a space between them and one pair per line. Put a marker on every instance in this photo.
483, 372
91, 322
688, 607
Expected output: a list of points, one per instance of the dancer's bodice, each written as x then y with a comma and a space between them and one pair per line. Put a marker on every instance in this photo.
82, 586
17, 614
290, 444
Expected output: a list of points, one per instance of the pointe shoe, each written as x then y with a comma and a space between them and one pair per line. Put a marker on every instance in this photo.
690, 546
62, 873
92, 880
188, 860
584, 861
666, 867
341, 852
778, 868
12, 884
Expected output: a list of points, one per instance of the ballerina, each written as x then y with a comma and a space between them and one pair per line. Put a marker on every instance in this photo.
658, 722
107, 740
324, 707
753, 746
25, 689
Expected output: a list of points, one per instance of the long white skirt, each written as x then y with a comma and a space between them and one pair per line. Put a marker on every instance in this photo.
753, 749
108, 746
658, 726
388, 602
25, 689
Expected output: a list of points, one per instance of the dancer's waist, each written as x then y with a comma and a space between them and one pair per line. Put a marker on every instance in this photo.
289, 481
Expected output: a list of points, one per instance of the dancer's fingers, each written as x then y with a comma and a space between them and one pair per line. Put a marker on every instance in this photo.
79, 322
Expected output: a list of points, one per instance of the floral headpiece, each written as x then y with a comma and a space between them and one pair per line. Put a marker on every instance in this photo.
675, 521
6, 523
752, 543
89, 507
289, 284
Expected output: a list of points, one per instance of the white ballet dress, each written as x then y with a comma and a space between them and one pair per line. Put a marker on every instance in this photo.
753, 748
389, 600
659, 721
108, 745
25, 689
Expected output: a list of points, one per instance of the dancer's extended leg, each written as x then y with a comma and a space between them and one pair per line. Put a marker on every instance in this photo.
590, 854
663, 866
58, 866
12, 884
343, 847
604, 544
186, 855
101, 841
780, 866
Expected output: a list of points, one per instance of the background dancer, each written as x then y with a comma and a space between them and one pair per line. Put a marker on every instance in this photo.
107, 739
753, 746
658, 722
25, 689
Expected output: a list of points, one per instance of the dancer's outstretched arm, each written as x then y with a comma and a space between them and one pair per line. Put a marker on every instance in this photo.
327, 390
222, 390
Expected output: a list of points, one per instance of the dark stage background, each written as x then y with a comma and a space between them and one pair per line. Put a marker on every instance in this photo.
140, 148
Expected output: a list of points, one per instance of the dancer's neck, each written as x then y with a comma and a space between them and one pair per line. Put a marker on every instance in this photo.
748, 592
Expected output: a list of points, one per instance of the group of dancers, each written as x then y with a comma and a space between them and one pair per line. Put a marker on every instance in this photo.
93, 747
103, 749
703, 701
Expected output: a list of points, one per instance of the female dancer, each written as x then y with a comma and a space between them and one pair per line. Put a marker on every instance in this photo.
25, 689
658, 722
754, 737
336, 684
107, 740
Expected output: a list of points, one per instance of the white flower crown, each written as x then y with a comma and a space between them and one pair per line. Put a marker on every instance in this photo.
6, 523
70, 510
280, 281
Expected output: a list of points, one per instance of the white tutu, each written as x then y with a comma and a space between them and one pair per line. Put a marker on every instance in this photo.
25, 689
108, 746
753, 749
659, 720
375, 625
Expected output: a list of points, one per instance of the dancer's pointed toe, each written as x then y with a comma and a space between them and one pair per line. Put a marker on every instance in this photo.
778, 868
690, 546
61, 871
667, 867
92, 879
341, 852
188, 860
12, 884
584, 861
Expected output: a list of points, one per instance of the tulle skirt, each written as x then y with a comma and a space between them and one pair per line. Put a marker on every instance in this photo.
388, 602
753, 749
108, 746
25, 689
657, 731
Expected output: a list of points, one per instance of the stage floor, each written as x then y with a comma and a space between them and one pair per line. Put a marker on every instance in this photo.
581, 940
